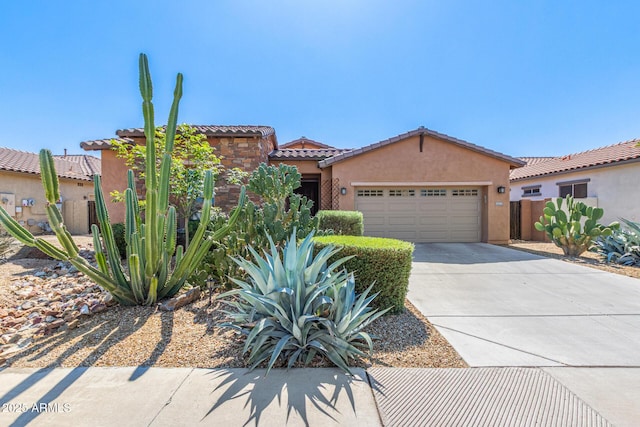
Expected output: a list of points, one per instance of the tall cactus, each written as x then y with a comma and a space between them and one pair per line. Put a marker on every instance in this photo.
151, 245
573, 228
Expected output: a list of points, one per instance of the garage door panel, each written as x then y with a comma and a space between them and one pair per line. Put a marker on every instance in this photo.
422, 215
433, 221
405, 220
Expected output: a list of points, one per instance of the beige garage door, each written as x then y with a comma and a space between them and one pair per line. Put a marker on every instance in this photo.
447, 214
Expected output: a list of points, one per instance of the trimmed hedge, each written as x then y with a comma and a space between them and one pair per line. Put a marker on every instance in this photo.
385, 262
118, 236
349, 223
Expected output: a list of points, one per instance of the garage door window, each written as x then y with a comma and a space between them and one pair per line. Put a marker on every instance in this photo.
464, 192
430, 192
370, 193
402, 193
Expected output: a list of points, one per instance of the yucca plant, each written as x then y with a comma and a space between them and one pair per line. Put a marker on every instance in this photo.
153, 273
295, 307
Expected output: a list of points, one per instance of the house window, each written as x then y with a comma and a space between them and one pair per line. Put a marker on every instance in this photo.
370, 193
577, 189
430, 192
402, 193
464, 192
530, 191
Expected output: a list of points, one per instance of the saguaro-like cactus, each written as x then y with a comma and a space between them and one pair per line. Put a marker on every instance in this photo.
573, 228
153, 273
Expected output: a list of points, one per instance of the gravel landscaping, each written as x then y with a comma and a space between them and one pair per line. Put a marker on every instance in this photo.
50, 316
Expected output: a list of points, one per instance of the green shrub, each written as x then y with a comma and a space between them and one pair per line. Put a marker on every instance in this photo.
385, 263
273, 217
294, 307
118, 236
348, 223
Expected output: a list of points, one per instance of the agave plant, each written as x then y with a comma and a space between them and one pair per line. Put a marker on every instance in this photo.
297, 307
153, 271
623, 246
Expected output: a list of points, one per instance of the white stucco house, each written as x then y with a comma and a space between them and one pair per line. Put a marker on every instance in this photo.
607, 177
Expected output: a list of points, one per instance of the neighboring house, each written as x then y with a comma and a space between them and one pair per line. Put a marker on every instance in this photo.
420, 186
606, 177
22, 194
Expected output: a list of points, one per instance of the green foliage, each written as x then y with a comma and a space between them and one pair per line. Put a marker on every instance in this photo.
272, 218
385, 263
119, 238
191, 157
349, 223
152, 272
622, 246
574, 227
294, 307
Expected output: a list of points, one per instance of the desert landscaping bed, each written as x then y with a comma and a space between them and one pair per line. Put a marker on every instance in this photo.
52, 316
587, 259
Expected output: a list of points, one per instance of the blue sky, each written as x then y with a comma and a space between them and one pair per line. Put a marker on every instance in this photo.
523, 78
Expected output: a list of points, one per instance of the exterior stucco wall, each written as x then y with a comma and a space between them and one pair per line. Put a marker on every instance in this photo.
440, 163
615, 188
75, 195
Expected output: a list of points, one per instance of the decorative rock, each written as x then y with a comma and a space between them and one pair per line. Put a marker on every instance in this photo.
72, 270
108, 299
98, 307
10, 338
85, 309
55, 324
49, 319
40, 274
176, 302
26, 306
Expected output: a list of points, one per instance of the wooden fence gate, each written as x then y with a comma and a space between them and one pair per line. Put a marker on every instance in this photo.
515, 226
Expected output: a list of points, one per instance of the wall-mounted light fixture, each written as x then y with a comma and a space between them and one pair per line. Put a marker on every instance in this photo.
343, 191
501, 189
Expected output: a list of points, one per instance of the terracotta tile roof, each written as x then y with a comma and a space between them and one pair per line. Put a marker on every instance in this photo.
81, 167
515, 163
305, 154
303, 141
101, 144
599, 157
213, 130
533, 160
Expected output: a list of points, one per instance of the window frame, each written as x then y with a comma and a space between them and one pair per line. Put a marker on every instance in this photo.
572, 185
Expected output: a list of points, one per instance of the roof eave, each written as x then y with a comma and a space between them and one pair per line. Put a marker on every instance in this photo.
580, 169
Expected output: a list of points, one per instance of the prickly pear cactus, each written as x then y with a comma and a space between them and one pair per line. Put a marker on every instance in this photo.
574, 226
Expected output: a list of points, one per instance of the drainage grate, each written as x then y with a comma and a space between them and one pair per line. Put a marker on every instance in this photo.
477, 397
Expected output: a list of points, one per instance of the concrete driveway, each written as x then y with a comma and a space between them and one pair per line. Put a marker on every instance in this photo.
502, 307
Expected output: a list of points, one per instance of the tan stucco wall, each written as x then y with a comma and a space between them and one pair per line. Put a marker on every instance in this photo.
114, 177
439, 162
75, 195
615, 189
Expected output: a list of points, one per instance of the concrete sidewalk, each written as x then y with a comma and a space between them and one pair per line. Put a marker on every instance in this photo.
300, 397
185, 397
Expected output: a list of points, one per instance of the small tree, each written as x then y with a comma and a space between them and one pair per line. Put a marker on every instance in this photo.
192, 155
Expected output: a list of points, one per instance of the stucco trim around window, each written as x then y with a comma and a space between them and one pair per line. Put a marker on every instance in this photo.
575, 181
421, 184
531, 190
